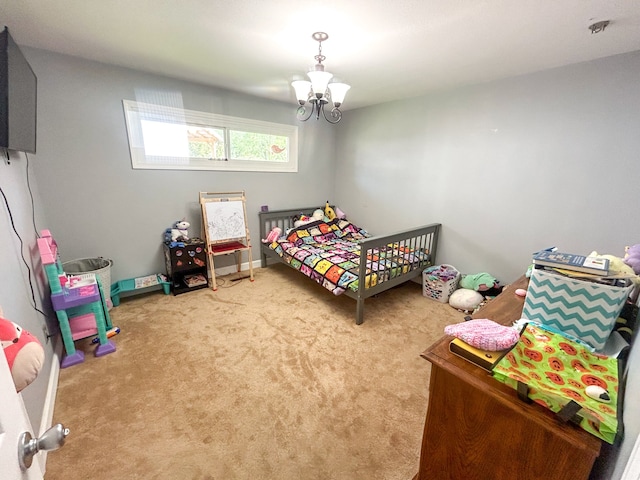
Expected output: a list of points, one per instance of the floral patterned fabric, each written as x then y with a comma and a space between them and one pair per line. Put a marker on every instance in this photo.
329, 253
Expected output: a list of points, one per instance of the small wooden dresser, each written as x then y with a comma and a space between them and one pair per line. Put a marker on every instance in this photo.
478, 428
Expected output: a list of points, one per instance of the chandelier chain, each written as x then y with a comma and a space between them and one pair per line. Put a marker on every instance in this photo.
320, 58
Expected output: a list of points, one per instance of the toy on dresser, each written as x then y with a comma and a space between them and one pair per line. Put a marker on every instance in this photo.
178, 233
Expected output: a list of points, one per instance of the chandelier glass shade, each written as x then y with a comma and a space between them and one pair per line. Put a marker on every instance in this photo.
319, 91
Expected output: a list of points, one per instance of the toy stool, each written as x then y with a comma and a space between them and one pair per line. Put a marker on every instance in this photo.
79, 303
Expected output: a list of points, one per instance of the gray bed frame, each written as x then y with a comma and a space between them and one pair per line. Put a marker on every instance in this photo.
423, 238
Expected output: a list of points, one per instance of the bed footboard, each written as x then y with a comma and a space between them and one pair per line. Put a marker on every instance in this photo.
418, 245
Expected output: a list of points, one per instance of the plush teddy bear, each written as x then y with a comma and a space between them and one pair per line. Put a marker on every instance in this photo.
632, 257
180, 232
24, 353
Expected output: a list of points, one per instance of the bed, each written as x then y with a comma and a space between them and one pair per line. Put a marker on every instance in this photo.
346, 259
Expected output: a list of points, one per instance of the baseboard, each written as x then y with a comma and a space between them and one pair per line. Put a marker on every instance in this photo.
50, 401
221, 271
632, 470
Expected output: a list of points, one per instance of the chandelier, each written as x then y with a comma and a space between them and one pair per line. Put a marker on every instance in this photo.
319, 92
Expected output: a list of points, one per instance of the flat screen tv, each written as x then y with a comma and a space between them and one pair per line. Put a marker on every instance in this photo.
18, 94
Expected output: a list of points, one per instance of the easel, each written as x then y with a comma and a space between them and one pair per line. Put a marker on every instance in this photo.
224, 218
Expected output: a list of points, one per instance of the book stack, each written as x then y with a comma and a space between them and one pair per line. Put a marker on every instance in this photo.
592, 268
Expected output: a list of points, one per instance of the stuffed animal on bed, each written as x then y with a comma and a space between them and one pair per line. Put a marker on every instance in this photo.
24, 353
329, 212
339, 213
302, 219
274, 234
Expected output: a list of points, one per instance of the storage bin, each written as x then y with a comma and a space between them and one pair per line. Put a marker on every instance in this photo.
579, 309
439, 282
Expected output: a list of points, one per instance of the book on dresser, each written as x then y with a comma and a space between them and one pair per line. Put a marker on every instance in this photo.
483, 358
572, 262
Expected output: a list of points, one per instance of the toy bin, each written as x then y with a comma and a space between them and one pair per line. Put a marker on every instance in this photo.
439, 282
101, 267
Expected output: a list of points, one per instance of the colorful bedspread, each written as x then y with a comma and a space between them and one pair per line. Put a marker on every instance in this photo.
329, 253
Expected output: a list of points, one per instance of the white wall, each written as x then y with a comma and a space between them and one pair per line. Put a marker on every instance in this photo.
97, 205
508, 168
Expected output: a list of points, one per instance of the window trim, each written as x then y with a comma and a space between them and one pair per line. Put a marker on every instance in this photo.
139, 159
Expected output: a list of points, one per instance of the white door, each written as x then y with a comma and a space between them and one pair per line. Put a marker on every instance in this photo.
13, 421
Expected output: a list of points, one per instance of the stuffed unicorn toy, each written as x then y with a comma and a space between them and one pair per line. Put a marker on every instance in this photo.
180, 232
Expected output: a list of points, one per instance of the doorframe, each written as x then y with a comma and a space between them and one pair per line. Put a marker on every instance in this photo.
49, 402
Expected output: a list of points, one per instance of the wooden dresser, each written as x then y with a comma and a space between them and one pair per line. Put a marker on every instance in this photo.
478, 428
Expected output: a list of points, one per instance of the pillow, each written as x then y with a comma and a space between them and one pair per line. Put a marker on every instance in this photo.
24, 353
465, 299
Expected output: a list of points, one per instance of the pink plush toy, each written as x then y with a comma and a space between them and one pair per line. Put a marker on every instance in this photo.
274, 234
24, 353
632, 258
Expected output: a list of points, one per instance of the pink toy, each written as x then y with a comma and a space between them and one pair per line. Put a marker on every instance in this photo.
24, 353
274, 234
484, 334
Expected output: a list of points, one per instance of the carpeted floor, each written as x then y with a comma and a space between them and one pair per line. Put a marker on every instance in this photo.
269, 379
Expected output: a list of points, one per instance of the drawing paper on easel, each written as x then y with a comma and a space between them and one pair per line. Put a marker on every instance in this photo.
225, 221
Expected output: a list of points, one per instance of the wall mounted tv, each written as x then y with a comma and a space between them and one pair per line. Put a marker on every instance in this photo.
18, 89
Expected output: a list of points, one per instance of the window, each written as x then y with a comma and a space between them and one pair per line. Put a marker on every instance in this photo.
162, 137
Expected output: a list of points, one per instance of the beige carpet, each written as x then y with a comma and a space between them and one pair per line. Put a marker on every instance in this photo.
263, 380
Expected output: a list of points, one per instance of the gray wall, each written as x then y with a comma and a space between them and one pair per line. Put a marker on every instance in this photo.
508, 168
17, 279
97, 205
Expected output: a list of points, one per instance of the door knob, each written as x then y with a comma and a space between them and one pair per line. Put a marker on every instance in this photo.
28, 446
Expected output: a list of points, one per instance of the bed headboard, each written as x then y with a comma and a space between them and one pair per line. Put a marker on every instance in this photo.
280, 218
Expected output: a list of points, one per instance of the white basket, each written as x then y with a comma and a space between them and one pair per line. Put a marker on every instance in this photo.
439, 282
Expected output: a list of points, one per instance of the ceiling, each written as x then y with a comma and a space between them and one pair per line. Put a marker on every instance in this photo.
386, 50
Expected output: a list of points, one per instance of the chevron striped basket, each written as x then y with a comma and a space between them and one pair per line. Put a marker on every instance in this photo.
583, 310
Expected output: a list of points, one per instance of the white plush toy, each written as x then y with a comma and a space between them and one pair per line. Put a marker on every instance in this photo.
180, 232
318, 214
